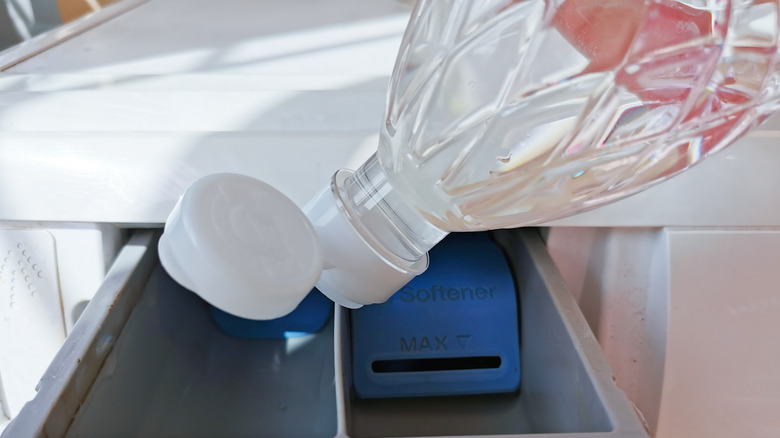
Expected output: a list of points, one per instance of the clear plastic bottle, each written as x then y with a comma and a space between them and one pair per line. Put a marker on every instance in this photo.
500, 113
508, 113
514, 112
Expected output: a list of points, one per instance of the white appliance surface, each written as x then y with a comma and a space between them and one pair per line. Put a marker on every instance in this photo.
112, 124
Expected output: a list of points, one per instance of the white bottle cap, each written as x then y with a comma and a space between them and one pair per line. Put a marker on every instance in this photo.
242, 246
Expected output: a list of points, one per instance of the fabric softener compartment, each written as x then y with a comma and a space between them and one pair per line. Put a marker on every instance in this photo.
452, 330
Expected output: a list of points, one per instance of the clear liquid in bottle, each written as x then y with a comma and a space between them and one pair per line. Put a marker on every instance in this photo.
510, 113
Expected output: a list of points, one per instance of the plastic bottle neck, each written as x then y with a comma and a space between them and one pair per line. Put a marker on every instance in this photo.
372, 241
393, 227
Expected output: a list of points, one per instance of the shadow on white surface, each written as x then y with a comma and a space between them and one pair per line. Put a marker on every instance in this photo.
261, 89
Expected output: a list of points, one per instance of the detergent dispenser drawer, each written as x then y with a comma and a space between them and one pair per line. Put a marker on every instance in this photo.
147, 359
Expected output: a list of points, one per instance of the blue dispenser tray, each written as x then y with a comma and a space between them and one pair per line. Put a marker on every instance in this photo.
452, 330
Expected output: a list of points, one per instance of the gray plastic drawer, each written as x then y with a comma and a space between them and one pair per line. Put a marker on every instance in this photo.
145, 359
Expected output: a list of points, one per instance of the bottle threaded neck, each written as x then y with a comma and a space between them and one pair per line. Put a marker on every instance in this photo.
393, 225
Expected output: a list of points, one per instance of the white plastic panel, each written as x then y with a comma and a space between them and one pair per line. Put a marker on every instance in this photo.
620, 277
114, 124
139, 177
134, 112
48, 10
48, 274
271, 37
66, 380
722, 374
32, 327
687, 319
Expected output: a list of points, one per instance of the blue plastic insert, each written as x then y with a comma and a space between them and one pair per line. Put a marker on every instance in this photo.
452, 330
309, 317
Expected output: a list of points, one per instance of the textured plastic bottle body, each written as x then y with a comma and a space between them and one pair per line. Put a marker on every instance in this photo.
510, 113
